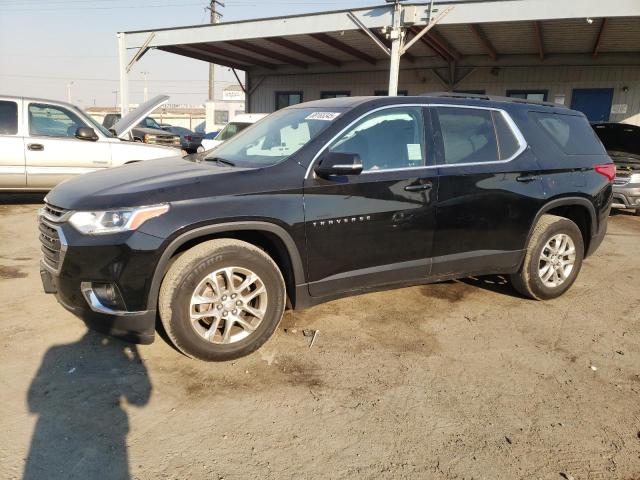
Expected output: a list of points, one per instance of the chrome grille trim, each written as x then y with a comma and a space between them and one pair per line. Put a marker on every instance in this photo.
54, 214
53, 244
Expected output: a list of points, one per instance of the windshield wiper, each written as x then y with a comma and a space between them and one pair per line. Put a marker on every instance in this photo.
221, 161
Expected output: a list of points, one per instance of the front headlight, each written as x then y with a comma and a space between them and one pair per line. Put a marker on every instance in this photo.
115, 221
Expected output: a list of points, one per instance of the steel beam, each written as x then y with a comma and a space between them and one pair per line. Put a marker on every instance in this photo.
231, 55
338, 45
425, 30
596, 47
141, 51
431, 46
369, 33
444, 45
539, 39
484, 41
235, 74
124, 74
407, 56
265, 52
283, 42
191, 52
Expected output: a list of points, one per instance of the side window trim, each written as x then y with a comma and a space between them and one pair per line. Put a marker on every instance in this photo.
522, 143
512, 125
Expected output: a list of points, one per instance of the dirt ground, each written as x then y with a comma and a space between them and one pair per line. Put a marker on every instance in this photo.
457, 380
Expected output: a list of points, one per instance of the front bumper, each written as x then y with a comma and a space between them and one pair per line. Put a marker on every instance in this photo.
125, 261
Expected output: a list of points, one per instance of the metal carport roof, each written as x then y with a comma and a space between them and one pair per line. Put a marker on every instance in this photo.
472, 33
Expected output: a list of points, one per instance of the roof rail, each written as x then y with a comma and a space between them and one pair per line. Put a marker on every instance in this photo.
495, 98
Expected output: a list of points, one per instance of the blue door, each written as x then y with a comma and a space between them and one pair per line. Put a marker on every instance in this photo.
595, 103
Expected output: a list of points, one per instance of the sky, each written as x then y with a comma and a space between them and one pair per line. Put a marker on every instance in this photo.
47, 44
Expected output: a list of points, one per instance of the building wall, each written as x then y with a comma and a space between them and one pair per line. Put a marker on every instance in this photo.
558, 80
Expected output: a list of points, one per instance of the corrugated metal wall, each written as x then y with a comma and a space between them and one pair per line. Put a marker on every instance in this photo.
557, 80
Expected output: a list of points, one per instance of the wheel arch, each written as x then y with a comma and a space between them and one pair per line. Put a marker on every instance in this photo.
577, 209
272, 238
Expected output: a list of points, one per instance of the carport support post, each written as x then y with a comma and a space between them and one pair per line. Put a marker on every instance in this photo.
396, 46
124, 76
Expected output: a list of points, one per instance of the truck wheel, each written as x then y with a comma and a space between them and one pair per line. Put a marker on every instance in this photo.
221, 300
553, 259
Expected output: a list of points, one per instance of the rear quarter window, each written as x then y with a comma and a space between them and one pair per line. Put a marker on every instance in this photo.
572, 133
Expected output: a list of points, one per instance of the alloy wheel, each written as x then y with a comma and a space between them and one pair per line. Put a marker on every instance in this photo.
557, 260
228, 305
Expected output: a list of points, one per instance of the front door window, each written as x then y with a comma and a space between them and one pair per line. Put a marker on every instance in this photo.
53, 121
392, 138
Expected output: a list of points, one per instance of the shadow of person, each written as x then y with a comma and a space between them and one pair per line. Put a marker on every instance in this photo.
78, 395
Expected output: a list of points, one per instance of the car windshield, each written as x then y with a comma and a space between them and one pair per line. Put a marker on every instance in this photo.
97, 126
275, 138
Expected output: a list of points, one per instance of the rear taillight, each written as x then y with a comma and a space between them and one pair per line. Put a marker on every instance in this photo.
187, 138
607, 169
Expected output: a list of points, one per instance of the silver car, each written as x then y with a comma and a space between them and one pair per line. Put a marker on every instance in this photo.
622, 142
43, 142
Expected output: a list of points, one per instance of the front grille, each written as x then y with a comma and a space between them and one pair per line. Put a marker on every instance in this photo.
53, 212
50, 244
169, 140
51, 240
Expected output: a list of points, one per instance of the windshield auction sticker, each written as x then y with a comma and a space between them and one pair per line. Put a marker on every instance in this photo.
328, 116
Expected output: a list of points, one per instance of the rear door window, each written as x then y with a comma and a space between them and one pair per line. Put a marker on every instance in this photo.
468, 135
572, 133
475, 135
8, 118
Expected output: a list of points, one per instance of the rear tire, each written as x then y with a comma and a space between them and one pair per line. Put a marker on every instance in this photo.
553, 259
221, 300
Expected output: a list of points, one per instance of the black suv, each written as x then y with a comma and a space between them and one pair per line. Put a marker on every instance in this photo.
323, 200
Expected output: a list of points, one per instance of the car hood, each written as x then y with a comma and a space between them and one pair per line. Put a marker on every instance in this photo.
136, 184
123, 126
619, 137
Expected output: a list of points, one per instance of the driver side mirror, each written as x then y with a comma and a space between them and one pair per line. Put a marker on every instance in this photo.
337, 163
86, 133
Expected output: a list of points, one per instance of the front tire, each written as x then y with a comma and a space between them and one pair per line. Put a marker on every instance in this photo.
553, 259
221, 300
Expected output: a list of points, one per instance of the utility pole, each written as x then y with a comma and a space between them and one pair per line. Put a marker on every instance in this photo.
69, 91
214, 18
145, 91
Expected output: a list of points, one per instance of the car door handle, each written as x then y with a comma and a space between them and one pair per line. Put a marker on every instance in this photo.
35, 147
527, 178
419, 187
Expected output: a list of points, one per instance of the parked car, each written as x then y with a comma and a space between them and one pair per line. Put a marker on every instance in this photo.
239, 123
622, 142
323, 200
146, 129
190, 141
210, 135
43, 142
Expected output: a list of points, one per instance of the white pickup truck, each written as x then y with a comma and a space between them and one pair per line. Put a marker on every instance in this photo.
43, 142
